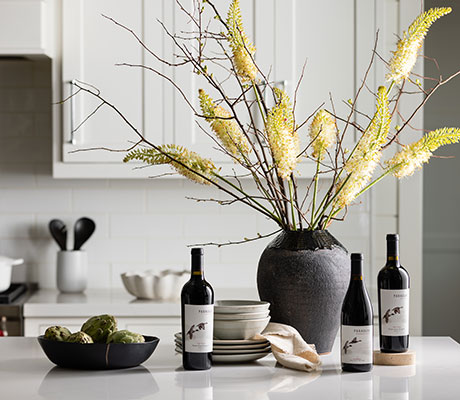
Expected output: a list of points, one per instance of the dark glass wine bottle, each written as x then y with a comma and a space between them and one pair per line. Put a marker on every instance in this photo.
197, 312
357, 322
393, 293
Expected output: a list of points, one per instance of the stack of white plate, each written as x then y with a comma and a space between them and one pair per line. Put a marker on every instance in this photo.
233, 351
240, 319
236, 322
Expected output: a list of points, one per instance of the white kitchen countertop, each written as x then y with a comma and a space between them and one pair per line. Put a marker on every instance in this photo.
25, 373
52, 303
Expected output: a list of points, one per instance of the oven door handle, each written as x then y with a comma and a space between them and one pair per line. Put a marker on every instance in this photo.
3, 330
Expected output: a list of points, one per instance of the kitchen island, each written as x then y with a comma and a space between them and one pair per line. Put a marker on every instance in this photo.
26, 373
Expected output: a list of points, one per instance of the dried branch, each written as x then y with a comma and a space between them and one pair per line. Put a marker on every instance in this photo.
245, 240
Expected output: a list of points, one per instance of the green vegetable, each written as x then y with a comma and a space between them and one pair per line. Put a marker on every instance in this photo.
125, 336
80, 337
57, 333
100, 327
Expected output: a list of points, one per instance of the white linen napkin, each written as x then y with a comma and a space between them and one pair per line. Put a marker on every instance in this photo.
289, 348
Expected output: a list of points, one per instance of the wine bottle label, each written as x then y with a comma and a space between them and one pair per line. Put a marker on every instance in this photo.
357, 344
394, 312
199, 327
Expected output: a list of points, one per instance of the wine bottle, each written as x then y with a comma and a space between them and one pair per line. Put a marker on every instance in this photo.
393, 293
197, 314
357, 322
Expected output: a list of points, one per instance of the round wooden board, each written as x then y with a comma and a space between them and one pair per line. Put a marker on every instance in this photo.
407, 358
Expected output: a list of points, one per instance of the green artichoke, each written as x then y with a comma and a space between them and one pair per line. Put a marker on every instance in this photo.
100, 327
57, 333
125, 336
80, 337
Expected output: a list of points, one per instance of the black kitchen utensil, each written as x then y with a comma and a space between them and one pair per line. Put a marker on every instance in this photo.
83, 229
98, 355
59, 232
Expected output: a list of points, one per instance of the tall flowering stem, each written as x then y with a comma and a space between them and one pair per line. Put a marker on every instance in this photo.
225, 127
243, 50
365, 157
405, 56
412, 156
168, 154
282, 137
323, 133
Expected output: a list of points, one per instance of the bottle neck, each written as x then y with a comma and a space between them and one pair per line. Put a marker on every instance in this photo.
393, 253
356, 272
197, 267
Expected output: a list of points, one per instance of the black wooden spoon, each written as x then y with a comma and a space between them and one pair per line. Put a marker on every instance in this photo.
59, 232
84, 228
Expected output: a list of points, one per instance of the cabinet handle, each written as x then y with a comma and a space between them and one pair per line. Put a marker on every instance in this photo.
3, 329
278, 84
72, 112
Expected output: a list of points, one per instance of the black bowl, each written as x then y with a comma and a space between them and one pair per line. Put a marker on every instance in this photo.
98, 355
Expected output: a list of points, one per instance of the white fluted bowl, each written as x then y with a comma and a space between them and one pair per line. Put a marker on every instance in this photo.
163, 285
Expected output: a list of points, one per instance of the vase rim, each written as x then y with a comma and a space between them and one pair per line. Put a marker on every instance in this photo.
305, 239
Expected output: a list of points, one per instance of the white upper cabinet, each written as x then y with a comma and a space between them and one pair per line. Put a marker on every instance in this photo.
286, 33
92, 47
27, 28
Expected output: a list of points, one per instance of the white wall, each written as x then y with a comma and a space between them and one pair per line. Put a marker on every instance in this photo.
140, 224
441, 196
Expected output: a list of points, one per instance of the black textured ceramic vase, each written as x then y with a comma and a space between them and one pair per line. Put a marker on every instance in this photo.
304, 275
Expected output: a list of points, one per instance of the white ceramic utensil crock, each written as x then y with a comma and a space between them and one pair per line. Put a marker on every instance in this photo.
6, 265
72, 271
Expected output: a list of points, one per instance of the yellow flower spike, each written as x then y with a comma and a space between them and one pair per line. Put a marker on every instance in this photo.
368, 151
189, 158
405, 56
412, 156
281, 135
224, 126
323, 133
243, 50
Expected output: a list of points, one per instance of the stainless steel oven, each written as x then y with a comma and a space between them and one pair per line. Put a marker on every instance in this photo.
11, 309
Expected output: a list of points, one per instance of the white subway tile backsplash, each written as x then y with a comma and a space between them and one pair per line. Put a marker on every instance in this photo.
146, 226
17, 175
116, 250
44, 274
141, 224
247, 253
169, 197
32, 251
356, 224
384, 194
17, 226
231, 275
18, 100
170, 251
45, 180
16, 74
42, 74
99, 276
42, 124
29, 149
14, 125
34, 200
230, 227
113, 201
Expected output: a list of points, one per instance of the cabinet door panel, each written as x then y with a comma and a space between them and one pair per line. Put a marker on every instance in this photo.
92, 46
